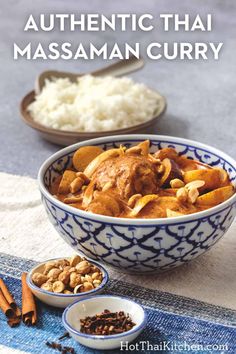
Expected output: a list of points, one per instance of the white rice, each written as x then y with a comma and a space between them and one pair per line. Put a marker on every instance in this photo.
94, 104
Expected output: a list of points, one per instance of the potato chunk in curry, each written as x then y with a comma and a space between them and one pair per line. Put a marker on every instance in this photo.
134, 183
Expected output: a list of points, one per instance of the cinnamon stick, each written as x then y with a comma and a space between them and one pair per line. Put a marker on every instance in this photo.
29, 314
5, 307
9, 298
14, 321
8, 305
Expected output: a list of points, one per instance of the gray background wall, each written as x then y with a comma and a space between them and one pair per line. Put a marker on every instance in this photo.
201, 94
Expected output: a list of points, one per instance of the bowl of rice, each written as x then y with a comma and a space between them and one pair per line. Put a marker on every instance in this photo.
66, 112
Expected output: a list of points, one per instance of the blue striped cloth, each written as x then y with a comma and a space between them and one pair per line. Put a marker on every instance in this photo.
192, 324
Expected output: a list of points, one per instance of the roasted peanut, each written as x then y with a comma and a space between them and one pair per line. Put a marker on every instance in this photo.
86, 287
182, 194
176, 183
96, 283
58, 287
64, 277
83, 267
94, 269
39, 279
88, 278
47, 286
54, 273
68, 276
97, 276
75, 279
62, 263
74, 260
76, 185
67, 268
48, 266
72, 269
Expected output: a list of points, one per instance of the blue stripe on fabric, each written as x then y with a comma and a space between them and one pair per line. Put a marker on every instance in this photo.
14, 266
162, 326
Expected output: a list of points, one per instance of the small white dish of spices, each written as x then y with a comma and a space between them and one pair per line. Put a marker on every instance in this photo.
104, 321
60, 282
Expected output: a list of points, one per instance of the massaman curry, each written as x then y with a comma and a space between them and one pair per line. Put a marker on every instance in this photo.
134, 183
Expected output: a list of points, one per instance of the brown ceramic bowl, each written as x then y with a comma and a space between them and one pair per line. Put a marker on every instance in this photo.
64, 138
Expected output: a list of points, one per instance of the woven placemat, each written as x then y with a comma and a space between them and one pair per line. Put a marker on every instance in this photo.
167, 330
26, 231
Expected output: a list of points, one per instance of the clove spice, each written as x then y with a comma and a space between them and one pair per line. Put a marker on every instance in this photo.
63, 336
60, 348
106, 323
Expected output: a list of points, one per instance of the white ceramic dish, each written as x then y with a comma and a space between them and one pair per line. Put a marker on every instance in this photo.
62, 300
97, 304
139, 245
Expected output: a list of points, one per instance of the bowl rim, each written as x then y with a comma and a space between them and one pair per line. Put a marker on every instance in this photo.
46, 292
135, 329
28, 119
133, 221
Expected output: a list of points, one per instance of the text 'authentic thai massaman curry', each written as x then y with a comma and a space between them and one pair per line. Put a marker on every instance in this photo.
134, 183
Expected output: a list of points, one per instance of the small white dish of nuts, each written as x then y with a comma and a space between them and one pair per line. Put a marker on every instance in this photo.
60, 282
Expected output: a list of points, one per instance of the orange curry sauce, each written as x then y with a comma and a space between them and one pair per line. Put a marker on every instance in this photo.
134, 183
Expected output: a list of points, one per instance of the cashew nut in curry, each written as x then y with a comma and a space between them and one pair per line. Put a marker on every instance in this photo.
134, 183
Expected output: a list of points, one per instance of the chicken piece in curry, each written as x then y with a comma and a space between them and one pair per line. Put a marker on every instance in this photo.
134, 183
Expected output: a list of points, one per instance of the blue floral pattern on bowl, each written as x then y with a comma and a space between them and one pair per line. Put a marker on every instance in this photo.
138, 245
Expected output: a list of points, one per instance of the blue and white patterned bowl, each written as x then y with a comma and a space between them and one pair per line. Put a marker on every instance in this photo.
139, 245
